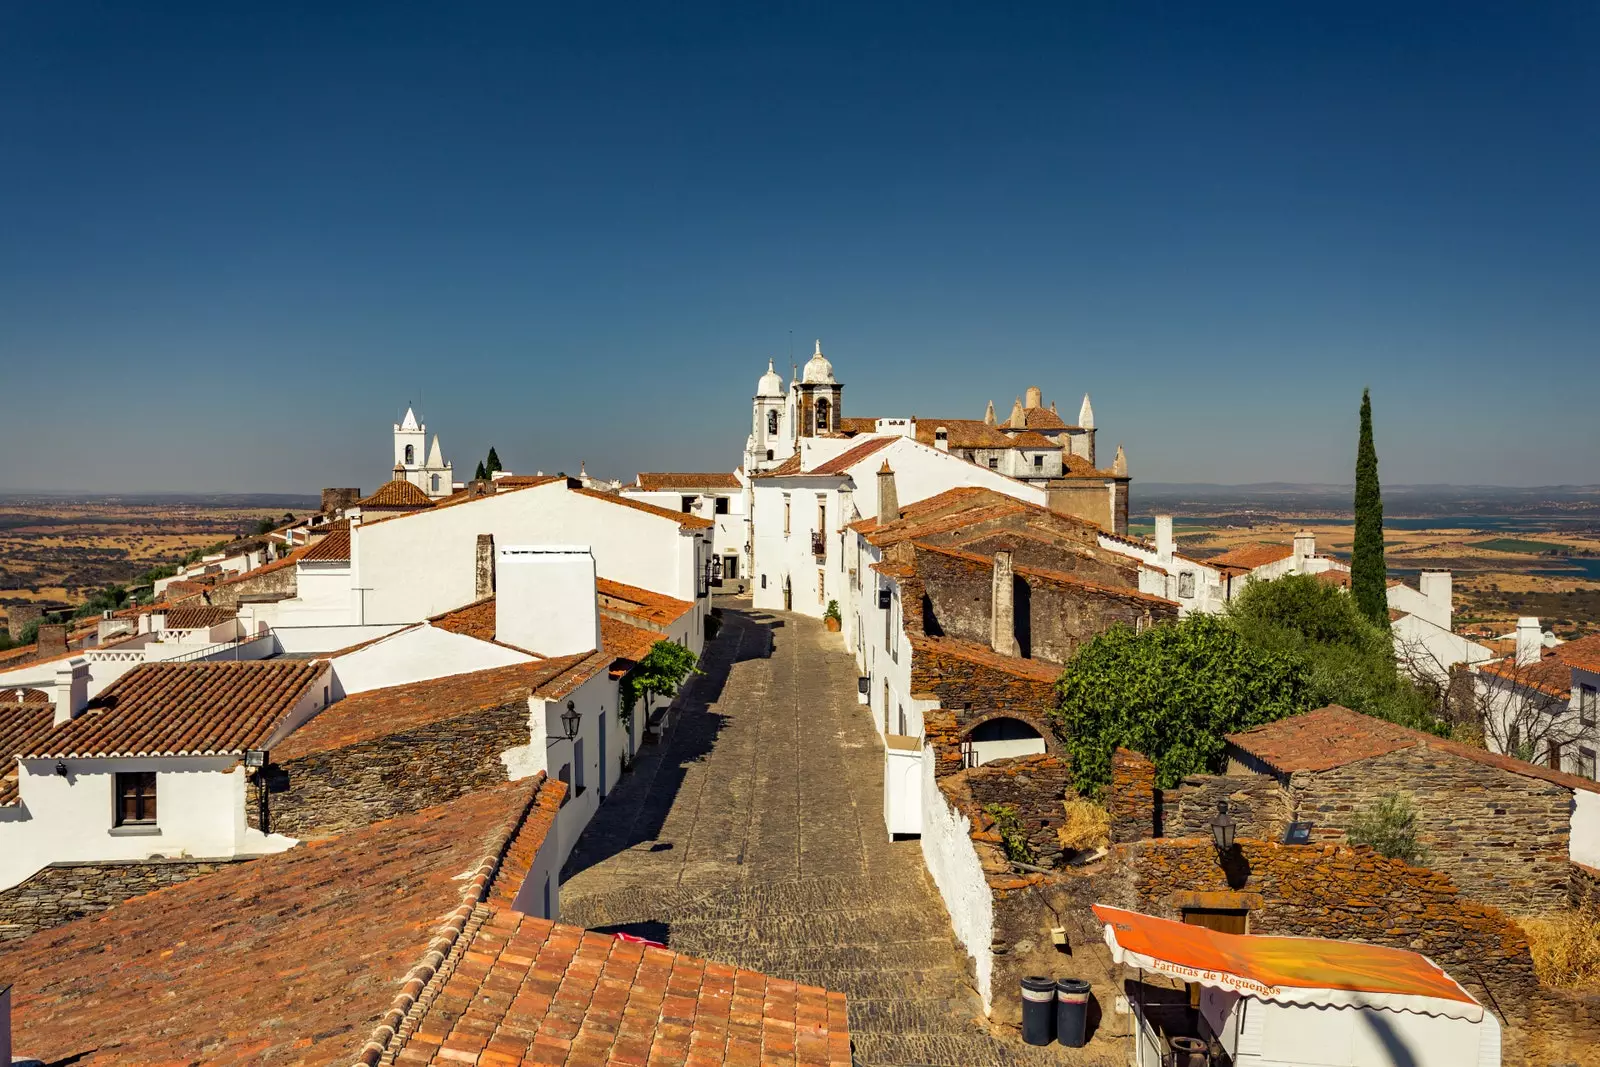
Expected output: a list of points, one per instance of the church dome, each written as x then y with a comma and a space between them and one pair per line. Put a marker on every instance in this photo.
771, 384
818, 370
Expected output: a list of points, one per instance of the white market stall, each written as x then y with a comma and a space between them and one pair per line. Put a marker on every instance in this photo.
1305, 1002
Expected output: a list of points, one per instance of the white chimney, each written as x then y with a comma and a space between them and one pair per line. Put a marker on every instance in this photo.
941, 439
545, 600
72, 689
1305, 546
1436, 586
1164, 538
1530, 641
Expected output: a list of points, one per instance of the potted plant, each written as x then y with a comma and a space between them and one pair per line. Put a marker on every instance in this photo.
830, 618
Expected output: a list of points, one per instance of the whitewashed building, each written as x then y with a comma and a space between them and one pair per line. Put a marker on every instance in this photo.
419, 462
722, 499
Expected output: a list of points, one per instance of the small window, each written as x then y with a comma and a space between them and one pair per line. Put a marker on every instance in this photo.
1587, 700
577, 765
763, 581
136, 798
565, 775
687, 504
324, 696
994, 463
435, 483
769, 453
786, 514
1186, 584
721, 505
772, 428
411, 456
1038, 459
1553, 755
1586, 762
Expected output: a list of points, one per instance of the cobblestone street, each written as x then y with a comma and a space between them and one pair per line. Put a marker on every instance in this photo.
754, 835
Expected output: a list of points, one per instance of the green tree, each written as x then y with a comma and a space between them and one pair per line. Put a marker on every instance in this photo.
1369, 578
492, 464
266, 526
659, 673
1172, 692
480, 474
1389, 825
1349, 660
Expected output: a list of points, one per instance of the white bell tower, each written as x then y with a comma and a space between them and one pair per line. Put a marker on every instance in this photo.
771, 433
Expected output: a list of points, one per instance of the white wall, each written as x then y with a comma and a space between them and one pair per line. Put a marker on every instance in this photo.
200, 809
728, 535
953, 863
1429, 651
323, 596
410, 568
303, 639
596, 703
417, 654
1584, 845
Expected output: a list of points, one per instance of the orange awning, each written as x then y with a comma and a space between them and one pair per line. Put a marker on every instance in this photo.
1289, 970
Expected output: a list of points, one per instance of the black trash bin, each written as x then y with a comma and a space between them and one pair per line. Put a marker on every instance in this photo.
1072, 1011
1038, 1009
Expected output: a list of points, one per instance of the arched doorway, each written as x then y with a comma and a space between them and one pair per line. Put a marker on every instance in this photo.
999, 736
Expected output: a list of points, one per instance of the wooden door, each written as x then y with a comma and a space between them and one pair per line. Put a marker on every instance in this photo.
1222, 920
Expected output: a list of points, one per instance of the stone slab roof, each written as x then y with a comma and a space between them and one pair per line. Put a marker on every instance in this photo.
1032, 669
294, 958
661, 481
1335, 736
22, 726
184, 709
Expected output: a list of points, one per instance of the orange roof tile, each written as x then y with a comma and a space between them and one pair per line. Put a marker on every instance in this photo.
1335, 736
1036, 670
22, 726
966, 433
200, 617
1584, 653
657, 480
688, 522
641, 603
1045, 419
474, 620
1333, 576
298, 957
851, 456
628, 644
851, 426
1249, 557
396, 493
1551, 675
398, 708
185, 709
333, 548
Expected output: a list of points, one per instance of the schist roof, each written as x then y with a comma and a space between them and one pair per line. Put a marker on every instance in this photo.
22, 726
199, 617
1335, 736
184, 709
956, 509
333, 548
1034, 670
657, 480
292, 958
397, 493
1249, 557
396, 709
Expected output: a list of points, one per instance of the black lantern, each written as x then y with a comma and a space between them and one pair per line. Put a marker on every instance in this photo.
569, 720
1222, 828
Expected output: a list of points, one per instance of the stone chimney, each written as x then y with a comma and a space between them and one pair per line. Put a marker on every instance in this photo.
888, 496
1530, 641
1033, 398
1164, 543
1019, 420
483, 567
1305, 546
941, 439
988, 416
1003, 607
545, 599
72, 689
1437, 586
334, 500
19, 616
52, 640
1119, 466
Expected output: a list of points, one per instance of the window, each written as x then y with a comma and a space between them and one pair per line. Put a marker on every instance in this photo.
769, 453
136, 798
823, 407
1553, 755
1038, 459
1586, 762
763, 581
721, 505
577, 763
786, 514
730, 568
435, 483
994, 463
324, 696
1186, 584
686, 504
411, 456
565, 775
902, 708
1586, 704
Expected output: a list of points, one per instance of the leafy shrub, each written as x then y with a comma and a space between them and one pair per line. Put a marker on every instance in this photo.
1566, 948
1009, 827
833, 611
1389, 825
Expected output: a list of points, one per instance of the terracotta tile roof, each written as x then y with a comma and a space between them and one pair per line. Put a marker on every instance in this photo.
11, 697
1584, 653
335, 547
641, 603
842, 463
1076, 467
396, 493
688, 522
1249, 557
955, 509
1045, 419
562, 995
185, 709
267, 568
1552, 675
299, 957
1335, 736
1032, 669
850, 426
787, 467
1334, 577
474, 620
22, 726
656, 480
399, 708
199, 617
526, 481
626, 643
965, 433
19, 654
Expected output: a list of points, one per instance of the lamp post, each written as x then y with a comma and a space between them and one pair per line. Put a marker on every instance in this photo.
1223, 829
569, 720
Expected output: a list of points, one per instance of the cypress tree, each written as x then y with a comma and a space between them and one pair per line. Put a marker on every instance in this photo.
481, 473
1369, 577
492, 464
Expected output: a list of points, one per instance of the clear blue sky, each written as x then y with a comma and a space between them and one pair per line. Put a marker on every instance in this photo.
236, 239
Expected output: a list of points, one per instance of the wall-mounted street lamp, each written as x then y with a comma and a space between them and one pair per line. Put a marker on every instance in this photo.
61, 768
569, 720
1223, 829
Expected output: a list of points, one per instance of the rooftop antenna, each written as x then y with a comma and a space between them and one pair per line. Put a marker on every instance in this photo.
793, 368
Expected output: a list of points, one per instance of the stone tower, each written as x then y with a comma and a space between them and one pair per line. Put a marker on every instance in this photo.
817, 397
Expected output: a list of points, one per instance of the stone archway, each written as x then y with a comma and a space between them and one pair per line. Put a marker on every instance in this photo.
986, 737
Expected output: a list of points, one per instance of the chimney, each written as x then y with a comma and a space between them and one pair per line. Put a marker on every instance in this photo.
988, 416
1033, 398
1018, 420
888, 497
72, 689
1164, 538
483, 584
545, 599
1530, 641
52, 640
1305, 546
1003, 606
941, 439
1437, 587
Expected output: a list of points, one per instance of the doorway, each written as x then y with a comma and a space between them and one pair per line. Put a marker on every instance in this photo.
1223, 921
